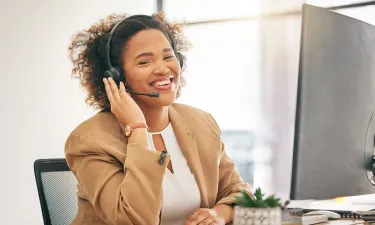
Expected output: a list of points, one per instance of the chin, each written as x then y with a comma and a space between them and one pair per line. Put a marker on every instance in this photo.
165, 99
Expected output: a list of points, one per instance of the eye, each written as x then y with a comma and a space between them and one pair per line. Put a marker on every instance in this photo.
144, 62
169, 57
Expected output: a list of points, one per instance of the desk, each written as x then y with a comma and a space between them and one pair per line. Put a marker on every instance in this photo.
345, 222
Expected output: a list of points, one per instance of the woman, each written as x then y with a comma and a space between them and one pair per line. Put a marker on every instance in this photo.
144, 160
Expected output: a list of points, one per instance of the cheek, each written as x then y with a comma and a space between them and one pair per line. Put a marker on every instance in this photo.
175, 67
137, 76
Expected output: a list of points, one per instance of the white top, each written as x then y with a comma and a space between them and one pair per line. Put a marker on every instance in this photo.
181, 195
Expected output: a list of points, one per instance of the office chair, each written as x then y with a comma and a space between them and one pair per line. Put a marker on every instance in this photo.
57, 191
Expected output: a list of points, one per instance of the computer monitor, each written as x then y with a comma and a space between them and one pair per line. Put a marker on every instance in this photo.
335, 121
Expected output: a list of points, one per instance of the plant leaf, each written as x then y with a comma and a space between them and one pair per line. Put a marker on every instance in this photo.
244, 200
272, 202
258, 194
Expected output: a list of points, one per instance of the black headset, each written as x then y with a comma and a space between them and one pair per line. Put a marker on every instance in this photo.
116, 72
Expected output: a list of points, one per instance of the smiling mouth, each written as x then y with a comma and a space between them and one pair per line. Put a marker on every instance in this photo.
162, 83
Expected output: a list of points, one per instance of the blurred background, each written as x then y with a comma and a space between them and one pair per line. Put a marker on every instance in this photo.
243, 69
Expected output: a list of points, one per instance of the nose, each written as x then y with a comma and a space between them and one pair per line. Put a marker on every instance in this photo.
162, 70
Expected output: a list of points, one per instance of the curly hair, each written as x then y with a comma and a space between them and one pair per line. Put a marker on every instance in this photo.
86, 51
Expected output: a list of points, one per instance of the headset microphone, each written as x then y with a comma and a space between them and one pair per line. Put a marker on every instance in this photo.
152, 94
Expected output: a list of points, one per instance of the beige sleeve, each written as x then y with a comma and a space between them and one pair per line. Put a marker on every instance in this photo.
230, 181
129, 193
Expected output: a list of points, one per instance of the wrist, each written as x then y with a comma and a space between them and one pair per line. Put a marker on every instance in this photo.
139, 136
129, 128
225, 212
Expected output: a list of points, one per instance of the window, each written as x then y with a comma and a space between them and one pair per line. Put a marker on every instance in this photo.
365, 13
198, 10
245, 74
328, 3
223, 79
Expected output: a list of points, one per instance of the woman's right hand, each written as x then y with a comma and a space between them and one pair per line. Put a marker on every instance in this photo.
123, 106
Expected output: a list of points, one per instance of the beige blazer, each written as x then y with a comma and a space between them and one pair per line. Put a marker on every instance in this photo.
121, 183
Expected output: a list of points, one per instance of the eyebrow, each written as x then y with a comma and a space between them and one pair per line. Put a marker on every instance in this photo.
165, 50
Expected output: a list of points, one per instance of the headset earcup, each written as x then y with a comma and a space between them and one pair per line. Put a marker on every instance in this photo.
119, 75
116, 74
180, 59
108, 74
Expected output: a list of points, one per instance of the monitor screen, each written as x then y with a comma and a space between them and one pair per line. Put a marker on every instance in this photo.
335, 122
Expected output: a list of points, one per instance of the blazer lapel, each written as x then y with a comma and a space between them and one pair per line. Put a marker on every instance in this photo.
186, 140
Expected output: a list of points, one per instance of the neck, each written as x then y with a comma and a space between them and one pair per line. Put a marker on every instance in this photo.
156, 118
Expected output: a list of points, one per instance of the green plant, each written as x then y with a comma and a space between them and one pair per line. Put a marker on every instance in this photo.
258, 201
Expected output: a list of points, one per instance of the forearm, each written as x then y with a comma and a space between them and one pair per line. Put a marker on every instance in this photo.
144, 175
225, 212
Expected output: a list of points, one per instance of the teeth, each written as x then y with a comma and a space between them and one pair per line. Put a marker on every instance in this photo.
160, 83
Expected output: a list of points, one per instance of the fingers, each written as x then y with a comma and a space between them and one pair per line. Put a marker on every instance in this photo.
207, 221
108, 89
201, 217
123, 107
123, 93
215, 223
192, 217
112, 92
114, 89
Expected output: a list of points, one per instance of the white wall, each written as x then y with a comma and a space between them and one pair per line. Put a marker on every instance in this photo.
40, 103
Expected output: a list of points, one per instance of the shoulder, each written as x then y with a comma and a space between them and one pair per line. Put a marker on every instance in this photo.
98, 124
197, 118
96, 131
188, 109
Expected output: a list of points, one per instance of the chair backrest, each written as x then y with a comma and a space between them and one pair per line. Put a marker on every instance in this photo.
57, 188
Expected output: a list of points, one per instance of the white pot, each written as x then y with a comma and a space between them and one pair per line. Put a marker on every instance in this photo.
256, 216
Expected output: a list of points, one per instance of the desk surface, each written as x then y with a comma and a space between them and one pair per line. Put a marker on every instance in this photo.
345, 222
